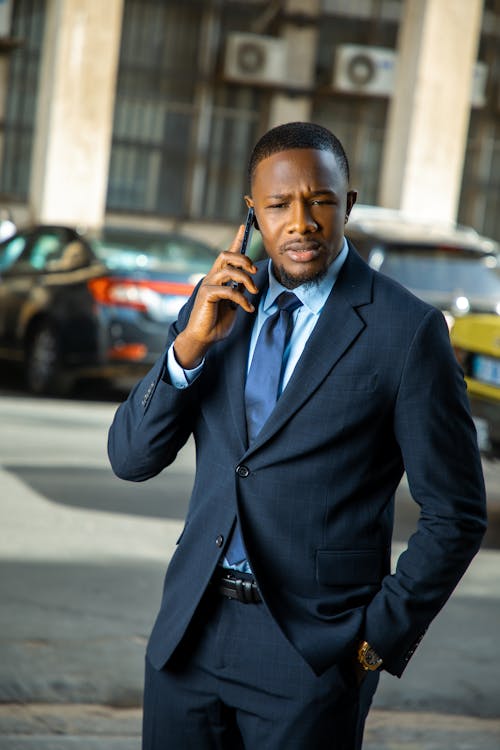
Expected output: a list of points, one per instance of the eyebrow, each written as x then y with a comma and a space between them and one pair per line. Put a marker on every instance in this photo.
325, 191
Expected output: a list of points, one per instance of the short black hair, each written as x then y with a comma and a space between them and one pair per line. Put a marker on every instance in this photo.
297, 135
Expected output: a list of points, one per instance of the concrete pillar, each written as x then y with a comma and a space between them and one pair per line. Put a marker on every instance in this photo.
75, 111
300, 32
429, 113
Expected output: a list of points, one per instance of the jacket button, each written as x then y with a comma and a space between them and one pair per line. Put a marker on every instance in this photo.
242, 471
219, 541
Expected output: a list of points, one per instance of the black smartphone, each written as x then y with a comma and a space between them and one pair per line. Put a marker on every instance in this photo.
247, 236
249, 225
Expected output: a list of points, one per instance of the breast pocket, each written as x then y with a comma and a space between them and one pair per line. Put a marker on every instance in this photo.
346, 398
352, 382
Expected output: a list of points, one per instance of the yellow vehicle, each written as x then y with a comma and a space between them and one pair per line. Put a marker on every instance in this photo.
476, 341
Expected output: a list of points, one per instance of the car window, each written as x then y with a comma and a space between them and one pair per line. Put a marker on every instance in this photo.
163, 253
46, 248
428, 272
54, 249
11, 250
75, 255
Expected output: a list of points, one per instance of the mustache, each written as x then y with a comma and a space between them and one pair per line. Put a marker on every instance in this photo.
300, 245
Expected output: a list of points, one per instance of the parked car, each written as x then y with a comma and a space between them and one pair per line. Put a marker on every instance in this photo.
451, 267
74, 305
476, 340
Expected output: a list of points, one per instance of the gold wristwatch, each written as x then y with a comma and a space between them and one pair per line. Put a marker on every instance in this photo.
368, 657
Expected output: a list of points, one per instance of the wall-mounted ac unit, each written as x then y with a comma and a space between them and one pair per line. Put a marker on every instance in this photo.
371, 71
364, 70
255, 59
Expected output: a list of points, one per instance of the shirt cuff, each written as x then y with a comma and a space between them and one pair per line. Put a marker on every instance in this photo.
179, 377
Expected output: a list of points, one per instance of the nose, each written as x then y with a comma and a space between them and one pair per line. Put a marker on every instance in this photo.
301, 219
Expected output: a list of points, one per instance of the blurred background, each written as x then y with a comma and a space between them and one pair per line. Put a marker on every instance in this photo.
125, 131
144, 111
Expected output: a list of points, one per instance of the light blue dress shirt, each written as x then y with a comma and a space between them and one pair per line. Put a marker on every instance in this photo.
313, 298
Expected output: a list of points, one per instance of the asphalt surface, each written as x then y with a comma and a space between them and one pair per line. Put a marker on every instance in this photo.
82, 558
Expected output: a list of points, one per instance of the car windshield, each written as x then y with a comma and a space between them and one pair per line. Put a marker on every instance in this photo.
131, 251
450, 272
10, 250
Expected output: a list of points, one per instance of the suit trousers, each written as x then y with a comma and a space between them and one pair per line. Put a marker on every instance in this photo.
236, 683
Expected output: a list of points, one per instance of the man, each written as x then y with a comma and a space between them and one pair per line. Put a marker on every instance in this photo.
279, 608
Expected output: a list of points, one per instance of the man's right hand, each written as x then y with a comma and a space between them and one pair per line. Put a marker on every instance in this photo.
214, 309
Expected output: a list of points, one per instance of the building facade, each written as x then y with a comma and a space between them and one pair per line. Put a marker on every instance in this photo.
143, 112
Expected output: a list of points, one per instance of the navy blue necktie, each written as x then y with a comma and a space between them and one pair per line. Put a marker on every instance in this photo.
263, 384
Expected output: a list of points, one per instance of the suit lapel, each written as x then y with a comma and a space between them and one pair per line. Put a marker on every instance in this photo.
337, 328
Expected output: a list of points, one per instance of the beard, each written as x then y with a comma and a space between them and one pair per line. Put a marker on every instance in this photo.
292, 281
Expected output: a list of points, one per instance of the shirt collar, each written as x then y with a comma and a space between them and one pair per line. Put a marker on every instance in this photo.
312, 296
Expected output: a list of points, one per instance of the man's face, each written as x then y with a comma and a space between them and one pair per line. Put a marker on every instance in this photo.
301, 204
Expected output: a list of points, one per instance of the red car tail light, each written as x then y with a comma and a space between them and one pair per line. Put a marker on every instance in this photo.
137, 294
132, 352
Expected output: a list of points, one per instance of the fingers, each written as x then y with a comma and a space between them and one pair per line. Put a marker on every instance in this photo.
235, 245
229, 275
234, 260
231, 267
215, 294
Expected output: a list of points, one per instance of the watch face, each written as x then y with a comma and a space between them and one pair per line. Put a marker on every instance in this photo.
368, 657
372, 658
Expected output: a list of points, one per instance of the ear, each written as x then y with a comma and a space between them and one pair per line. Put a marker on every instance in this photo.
351, 200
250, 204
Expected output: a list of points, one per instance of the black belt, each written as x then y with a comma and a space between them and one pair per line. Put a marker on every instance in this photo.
236, 585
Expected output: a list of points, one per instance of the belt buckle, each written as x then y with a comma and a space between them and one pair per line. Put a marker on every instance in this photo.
244, 590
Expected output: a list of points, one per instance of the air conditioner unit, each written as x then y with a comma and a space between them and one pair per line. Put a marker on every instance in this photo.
371, 71
255, 59
364, 70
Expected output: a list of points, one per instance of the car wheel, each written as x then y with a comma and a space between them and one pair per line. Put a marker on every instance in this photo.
43, 363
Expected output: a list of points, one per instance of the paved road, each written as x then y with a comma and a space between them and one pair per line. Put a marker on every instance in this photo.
82, 557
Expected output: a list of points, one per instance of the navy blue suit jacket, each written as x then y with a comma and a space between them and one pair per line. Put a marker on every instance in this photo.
377, 391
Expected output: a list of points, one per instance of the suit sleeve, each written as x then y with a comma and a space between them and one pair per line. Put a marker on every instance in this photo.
438, 442
155, 421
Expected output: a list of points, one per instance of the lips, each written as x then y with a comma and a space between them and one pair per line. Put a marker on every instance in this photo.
302, 252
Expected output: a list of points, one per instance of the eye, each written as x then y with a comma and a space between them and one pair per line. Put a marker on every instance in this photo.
322, 202
277, 205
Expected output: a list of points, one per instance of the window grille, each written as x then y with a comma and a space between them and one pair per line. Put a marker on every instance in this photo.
21, 100
181, 137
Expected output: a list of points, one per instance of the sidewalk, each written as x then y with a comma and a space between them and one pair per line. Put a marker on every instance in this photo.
80, 583
87, 727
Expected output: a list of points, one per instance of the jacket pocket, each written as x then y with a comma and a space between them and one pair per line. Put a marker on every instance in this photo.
351, 567
356, 381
